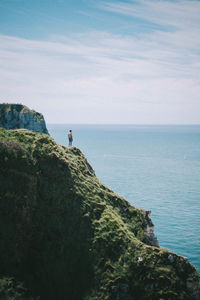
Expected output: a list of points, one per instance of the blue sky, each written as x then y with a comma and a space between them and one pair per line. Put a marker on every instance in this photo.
102, 61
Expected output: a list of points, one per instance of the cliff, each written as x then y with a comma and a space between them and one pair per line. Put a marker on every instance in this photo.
17, 116
65, 235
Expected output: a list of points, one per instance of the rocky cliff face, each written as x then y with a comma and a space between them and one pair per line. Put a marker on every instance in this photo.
65, 235
17, 116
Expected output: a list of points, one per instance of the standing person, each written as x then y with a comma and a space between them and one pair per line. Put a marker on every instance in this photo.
70, 138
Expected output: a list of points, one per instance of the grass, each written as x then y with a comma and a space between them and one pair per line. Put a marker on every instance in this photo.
6, 107
65, 235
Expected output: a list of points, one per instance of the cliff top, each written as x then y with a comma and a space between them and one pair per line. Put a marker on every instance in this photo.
75, 237
6, 107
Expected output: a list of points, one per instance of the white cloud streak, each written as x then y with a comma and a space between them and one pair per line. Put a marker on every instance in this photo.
100, 77
180, 13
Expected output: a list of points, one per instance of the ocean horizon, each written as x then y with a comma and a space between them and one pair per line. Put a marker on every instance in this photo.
155, 167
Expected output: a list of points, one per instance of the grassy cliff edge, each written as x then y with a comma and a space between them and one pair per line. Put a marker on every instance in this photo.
65, 235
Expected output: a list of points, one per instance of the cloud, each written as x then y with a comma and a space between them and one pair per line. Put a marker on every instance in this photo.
101, 77
179, 14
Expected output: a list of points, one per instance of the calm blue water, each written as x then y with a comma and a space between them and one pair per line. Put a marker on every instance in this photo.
154, 167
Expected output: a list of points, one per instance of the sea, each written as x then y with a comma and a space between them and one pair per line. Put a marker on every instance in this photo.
154, 167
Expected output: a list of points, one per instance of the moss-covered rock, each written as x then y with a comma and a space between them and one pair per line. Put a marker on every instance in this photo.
10, 289
65, 235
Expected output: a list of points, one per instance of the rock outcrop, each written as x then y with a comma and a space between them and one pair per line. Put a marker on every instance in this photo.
65, 235
18, 116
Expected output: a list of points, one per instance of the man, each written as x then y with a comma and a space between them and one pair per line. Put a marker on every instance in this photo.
70, 138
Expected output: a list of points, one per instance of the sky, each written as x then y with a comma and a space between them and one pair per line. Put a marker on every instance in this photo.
102, 62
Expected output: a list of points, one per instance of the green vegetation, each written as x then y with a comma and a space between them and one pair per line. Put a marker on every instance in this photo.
10, 289
6, 107
65, 235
